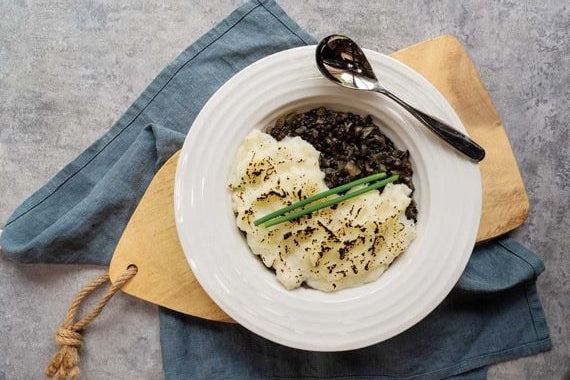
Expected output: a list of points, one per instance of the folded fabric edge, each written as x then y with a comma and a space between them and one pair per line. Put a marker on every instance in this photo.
537, 312
475, 374
533, 300
523, 253
276, 11
517, 265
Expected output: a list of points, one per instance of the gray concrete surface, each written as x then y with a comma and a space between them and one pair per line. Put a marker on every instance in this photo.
68, 68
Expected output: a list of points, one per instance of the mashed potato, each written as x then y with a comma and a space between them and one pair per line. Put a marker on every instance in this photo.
331, 249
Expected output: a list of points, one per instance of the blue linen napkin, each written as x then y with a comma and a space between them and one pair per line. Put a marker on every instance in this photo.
492, 314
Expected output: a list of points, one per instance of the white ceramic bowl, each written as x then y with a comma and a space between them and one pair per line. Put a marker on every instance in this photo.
448, 195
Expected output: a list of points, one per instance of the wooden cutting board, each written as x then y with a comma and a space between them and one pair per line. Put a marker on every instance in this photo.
150, 240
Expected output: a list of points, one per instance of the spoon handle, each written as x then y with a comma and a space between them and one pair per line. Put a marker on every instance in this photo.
453, 137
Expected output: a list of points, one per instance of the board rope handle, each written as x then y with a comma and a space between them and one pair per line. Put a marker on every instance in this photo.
64, 363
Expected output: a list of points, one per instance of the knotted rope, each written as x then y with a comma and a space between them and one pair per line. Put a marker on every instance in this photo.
63, 364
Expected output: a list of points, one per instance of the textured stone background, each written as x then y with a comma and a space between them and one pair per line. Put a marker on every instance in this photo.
68, 68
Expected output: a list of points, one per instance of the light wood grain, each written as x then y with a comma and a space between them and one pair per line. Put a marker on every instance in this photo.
150, 240
445, 63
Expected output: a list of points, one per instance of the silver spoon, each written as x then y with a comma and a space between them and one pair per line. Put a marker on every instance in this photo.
341, 60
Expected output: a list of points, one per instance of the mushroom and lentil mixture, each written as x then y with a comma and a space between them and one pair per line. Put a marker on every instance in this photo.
351, 147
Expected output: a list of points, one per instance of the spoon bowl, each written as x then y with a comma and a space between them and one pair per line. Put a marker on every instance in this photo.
343, 62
